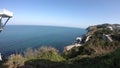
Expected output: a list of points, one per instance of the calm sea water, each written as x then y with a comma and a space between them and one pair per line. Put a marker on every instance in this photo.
18, 38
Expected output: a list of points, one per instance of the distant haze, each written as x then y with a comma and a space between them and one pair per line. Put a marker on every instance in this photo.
70, 13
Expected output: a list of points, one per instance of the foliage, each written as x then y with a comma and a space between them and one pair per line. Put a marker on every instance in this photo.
48, 53
81, 50
29, 53
43, 53
111, 60
15, 60
116, 37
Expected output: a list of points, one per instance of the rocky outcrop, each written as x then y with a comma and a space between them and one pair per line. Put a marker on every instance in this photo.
78, 42
107, 38
88, 38
69, 47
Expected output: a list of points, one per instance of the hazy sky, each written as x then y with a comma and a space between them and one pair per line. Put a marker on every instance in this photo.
71, 13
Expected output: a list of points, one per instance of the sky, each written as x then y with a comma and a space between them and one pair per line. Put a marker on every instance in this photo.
69, 13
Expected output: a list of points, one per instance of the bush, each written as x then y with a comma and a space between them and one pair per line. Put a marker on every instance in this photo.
43, 53
29, 53
15, 61
74, 52
47, 53
116, 37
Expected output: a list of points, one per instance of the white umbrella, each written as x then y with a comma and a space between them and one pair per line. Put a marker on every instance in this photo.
4, 14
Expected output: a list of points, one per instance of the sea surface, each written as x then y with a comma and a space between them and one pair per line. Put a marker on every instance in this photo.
16, 38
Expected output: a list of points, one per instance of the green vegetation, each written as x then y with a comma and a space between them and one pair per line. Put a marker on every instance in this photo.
47, 53
96, 53
79, 57
31, 56
74, 52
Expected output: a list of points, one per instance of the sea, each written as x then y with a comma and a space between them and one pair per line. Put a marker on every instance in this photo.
17, 38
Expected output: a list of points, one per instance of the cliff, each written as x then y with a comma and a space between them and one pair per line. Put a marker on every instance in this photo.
105, 32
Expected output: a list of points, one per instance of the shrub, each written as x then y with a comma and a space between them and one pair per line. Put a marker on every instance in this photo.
29, 53
43, 53
15, 60
116, 37
47, 53
74, 52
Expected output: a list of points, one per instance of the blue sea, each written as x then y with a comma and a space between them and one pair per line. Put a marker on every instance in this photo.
16, 38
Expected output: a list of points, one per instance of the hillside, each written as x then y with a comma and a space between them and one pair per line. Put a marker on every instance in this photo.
101, 50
